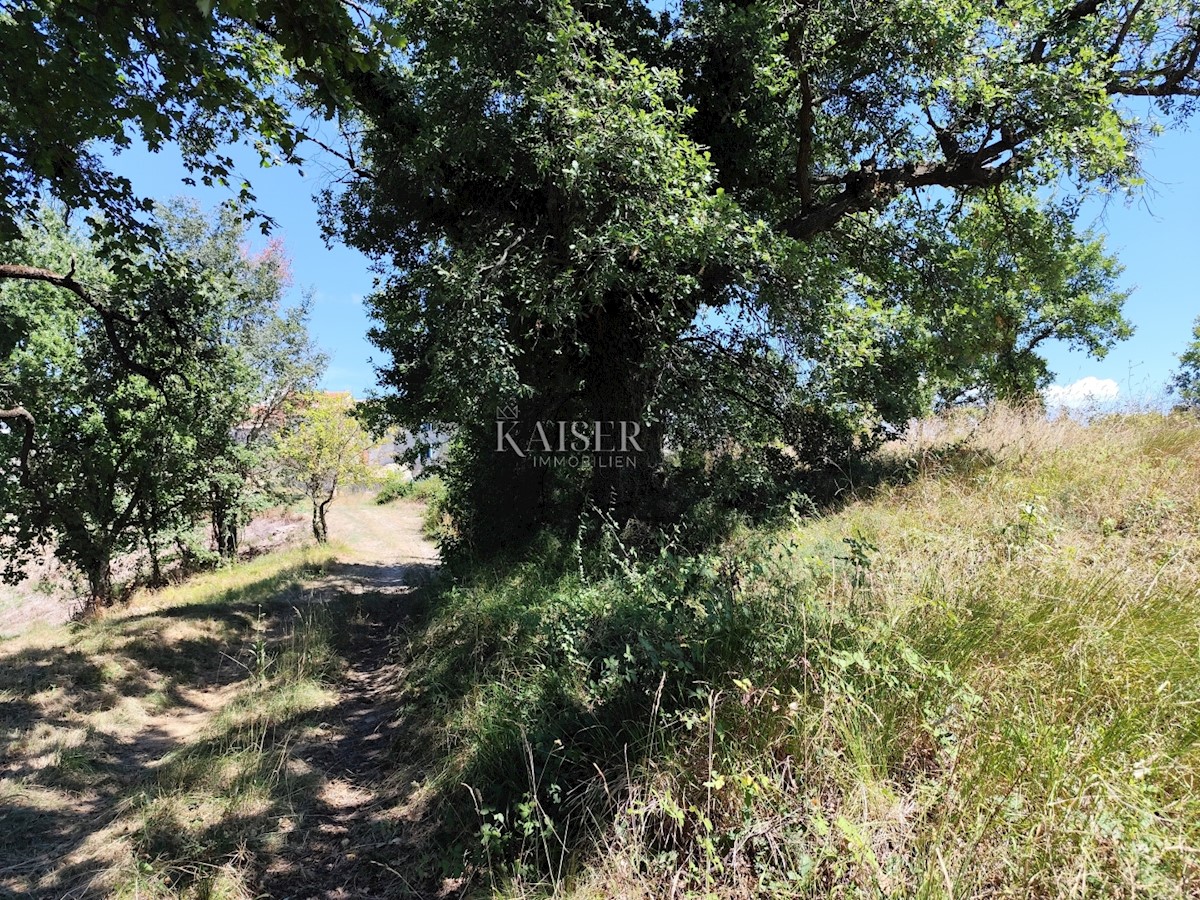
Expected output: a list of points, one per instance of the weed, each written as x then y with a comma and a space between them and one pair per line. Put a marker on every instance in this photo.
901, 712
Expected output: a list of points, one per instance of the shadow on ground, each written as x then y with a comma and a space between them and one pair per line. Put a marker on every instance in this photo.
158, 755
130, 707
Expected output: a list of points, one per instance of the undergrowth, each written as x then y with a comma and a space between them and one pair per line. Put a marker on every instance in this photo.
402, 486
976, 675
982, 681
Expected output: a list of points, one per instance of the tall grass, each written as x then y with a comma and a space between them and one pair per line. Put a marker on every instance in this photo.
982, 681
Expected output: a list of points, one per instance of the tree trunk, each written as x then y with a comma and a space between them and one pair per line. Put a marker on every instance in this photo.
225, 526
156, 575
226, 534
233, 537
511, 495
100, 586
619, 385
319, 525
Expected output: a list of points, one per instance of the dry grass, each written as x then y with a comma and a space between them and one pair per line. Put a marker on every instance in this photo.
92, 713
52, 593
979, 680
1049, 572
196, 743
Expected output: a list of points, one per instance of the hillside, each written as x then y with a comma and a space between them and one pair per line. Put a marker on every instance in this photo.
978, 675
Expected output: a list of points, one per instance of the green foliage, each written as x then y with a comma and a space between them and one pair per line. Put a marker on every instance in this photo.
323, 448
773, 226
115, 454
401, 485
277, 361
548, 681
1186, 382
130, 438
201, 74
396, 486
1015, 275
577, 670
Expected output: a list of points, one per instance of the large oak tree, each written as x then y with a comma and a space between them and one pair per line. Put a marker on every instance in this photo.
777, 223
774, 222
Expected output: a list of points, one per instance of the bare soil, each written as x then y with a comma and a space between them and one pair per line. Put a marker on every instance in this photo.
349, 840
86, 727
51, 593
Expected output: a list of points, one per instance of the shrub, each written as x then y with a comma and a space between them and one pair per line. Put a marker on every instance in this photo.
396, 485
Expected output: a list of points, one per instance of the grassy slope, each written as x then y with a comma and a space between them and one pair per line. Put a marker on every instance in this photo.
209, 675
222, 738
983, 682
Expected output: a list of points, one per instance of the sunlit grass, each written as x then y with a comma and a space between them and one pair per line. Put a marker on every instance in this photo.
255, 580
214, 673
981, 679
235, 788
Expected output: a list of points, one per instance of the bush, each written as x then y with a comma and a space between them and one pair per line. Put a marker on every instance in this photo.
402, 486
429, 490
564, 677
396, 485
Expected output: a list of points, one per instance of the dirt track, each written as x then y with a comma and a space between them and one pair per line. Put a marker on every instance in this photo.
333, 859
65, 828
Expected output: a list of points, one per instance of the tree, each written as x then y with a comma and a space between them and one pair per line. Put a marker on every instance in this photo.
276, 357
110, 454
83, 76
324, 449
588, 204
1186, 382
1016, 275
111, 457
284, 365
80, 73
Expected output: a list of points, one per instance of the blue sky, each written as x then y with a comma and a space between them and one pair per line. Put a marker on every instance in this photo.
338, 275
1155, 237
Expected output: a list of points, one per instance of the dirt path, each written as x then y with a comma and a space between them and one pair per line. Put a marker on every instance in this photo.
387, 556
92, 722
332, 859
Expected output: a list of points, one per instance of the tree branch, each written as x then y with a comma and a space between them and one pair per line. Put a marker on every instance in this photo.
1119, 41
347, 156
866, 186
26, 419
1145, 84
1068, 16
109, 318
804, 155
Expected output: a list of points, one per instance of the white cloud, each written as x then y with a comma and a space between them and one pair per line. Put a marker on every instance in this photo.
1084, 392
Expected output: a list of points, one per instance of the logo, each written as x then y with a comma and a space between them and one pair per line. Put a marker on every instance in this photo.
574, 443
